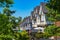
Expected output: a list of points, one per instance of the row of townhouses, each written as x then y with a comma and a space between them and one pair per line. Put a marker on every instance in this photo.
37, 21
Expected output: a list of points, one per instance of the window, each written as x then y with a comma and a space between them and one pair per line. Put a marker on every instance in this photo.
42, 18
34, 21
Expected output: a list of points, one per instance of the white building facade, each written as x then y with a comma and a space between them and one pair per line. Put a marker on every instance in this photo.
37, 19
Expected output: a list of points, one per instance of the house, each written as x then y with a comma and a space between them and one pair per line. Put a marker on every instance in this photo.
37, 21
39, 18
26, 25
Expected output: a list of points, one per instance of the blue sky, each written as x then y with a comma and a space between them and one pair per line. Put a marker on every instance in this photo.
24, 7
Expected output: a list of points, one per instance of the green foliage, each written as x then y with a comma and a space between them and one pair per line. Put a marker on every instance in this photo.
39, 35
7, 22
52, 31
15, 21
55, 4
53, 7
6, 3
22, 36
7, 11
5, 27
53, 14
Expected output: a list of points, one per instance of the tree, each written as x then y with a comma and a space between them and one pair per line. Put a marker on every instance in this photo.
53, 14
53, 7
7, 11
52, 30
6, 32
39, 35
5, 28
7, 22
15, 21
22, 35
6, 3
